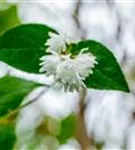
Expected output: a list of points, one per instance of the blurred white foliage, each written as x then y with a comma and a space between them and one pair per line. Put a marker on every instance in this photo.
131, 137
49, 13
29, 119
110, 115
58, 103
72, 144
53, 103
112, 146
98, 21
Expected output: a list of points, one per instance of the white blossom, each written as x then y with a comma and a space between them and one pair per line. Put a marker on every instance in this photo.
69, 71
57, 43
49, 64
72, 72
67, 75
85, 63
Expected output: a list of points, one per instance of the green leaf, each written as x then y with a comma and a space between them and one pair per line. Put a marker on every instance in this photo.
21, 47
12, 92
68, 128
8, 17
7, 137
107, 74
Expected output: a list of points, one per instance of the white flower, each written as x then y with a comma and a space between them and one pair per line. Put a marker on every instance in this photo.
57, 43
72, 72
49, 64
84, 64
68, 71
68, 77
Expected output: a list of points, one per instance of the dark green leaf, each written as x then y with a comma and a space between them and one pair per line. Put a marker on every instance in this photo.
12, 92
68, 128
21, 47
107, 74
7, 137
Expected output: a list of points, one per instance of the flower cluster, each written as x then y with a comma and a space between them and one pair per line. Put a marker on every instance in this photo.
69, 72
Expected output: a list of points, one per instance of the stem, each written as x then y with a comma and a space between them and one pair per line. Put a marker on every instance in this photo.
81, 133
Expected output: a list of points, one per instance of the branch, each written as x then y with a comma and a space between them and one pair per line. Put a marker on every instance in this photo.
81, 133
76, 18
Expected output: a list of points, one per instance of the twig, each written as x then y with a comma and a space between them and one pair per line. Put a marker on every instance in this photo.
76, 18
42, 92
81, 133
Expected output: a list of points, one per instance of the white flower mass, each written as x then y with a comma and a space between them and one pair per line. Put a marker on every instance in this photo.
68, 76
69, 72
56, 43
49, 64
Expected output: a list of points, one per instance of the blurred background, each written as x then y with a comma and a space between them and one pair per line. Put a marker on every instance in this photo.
109, 115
